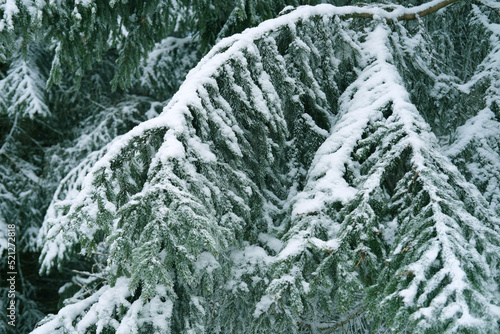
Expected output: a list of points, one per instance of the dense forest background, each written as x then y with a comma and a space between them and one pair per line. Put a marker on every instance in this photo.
333, 169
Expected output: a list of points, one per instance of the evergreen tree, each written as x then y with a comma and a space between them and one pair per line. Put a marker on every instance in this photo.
24, 112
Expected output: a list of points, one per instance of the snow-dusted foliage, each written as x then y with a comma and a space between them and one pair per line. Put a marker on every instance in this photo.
82, 32
49, 139
23, 88
23, 109
166, 66
476, 150
231, 17
298, 182
87, 148
74, 159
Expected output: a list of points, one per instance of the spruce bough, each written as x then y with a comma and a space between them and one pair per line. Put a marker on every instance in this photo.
313, 174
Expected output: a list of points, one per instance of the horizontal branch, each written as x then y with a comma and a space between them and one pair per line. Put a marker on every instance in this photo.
407, 15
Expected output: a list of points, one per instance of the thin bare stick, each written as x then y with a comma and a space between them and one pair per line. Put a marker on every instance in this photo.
359, 262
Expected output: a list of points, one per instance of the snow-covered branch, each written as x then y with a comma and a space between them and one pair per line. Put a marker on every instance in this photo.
297, 181
399, 13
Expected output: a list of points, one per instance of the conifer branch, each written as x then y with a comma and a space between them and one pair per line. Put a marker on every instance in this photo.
342, 323
408, 273
312, 213
407, 248
410, 14
410, 188
495, 9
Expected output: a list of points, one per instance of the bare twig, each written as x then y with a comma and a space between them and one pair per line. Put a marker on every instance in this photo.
495, 9
359, 262
9, 136
407, 248
312, 213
